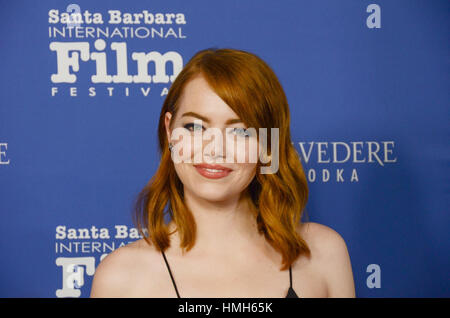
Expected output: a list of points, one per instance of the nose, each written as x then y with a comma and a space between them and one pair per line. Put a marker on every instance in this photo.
216, 146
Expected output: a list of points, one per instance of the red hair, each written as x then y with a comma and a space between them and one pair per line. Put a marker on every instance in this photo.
251, 89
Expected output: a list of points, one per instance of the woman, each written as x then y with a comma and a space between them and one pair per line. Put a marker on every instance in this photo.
233, 231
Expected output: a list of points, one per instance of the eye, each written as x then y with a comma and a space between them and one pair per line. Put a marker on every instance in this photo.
241, 132
193, 127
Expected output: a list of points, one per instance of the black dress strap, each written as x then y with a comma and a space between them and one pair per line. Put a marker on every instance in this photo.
290, 277
291, 292
170, 272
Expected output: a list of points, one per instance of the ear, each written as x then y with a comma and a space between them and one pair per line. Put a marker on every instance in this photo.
167, 121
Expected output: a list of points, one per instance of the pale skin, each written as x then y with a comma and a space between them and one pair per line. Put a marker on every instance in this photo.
229, 258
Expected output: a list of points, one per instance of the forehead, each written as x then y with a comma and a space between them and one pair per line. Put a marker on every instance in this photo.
199, 97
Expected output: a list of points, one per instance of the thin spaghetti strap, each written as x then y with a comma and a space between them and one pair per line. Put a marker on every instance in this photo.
291, 292
290, 277
170, 272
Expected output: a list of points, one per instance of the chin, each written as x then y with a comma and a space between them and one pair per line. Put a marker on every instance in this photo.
211, 192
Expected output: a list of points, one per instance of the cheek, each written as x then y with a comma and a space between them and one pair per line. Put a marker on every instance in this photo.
184, 149
185, 173
245, 173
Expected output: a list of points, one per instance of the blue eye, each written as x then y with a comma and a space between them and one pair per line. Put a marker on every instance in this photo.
242, 132
193, 127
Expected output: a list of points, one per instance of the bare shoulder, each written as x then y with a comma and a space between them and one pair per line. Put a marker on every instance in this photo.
322, 240
121, 269
330, 256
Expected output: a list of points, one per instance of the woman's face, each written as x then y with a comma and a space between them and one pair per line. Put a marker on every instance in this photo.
201, 113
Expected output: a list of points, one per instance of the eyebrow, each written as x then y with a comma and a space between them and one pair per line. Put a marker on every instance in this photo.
203, 118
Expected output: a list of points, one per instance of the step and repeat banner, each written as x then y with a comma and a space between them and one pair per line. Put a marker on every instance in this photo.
82, 85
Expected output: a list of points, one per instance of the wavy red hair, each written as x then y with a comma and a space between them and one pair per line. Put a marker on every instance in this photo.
251, 89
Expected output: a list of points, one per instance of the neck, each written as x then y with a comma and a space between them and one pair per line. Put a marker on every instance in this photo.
223, 227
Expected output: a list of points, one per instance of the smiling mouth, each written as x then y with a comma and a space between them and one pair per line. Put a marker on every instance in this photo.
212, 171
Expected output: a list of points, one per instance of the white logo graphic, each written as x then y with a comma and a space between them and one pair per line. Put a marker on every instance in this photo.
79, 38
374, 19
73, 274
79, 248
374, 279
343, 153
3, 154
74, 12
68, 55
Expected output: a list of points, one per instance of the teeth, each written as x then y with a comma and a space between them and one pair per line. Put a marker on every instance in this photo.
213, 170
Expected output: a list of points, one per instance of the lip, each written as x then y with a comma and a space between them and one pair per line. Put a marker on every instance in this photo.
201, 169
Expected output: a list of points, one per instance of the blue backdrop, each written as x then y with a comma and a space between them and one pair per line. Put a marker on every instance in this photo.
368, 88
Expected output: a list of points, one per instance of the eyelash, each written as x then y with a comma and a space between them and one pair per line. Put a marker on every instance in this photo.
191, 125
